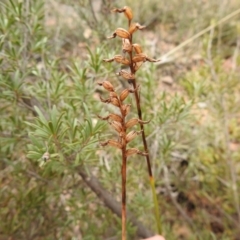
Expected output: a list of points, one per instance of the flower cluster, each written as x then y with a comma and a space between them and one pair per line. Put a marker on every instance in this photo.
132, 52
119, 121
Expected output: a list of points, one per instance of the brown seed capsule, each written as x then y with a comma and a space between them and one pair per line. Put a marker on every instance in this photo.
125, 109
103, 118
132, 122
112, 116
141, 57
108, 60
142, 153
105, 100
143, 122
117, 126
126, 75
128, 108
124, 94
126, 46
115, 144
137, 66
118, 59
122, 136
134, 27
128, 13
115, 102
132, 151
152, 60
121, 59
131, 135
112, 143
107, 85
137, 48
126, 10
120, 32
113, 95
118, 10
115, 117
134, 90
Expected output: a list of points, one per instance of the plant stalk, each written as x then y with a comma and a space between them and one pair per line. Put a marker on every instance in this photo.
124, 178
151, 178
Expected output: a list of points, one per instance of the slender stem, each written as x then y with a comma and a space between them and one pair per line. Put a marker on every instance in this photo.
151, 178
124, 178
137, 99
156, 206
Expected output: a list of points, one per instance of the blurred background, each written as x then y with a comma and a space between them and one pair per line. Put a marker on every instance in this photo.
52, 169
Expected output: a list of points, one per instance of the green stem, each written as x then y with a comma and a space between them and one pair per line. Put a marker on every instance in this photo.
156, 206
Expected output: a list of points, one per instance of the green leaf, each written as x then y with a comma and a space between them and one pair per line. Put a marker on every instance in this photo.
41, 116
